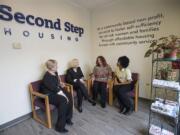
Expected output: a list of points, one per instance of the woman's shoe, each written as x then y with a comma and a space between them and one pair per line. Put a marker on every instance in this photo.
122, 109
92, 102
62, 130
69, 122
79, 108
103, 105
128, 111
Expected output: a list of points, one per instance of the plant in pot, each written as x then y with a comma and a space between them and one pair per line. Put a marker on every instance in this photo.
169, 46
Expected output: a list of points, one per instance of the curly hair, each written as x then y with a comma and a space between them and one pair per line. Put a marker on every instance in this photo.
124, 61
102, 59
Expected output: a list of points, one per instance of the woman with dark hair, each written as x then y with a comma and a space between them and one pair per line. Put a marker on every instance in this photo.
123, 85
75, 77
101, 74
54, 88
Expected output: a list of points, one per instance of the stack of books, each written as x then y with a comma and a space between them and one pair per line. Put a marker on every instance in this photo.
166, 107
166, 84
155, 130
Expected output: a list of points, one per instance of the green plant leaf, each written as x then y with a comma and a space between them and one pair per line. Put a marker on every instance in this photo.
148, 53
153, 44
161, 45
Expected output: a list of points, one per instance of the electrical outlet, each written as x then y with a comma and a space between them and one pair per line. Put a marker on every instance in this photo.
16, 45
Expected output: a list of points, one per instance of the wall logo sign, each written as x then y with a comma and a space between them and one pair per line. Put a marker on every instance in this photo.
6, 14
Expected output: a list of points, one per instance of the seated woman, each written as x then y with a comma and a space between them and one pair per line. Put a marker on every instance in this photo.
123, 85
101, 74
75, 77
59, 97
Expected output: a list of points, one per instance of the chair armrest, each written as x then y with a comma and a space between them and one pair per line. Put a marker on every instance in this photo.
110, 81
89, 86
39, 94
110, 85
136, 87
68, 87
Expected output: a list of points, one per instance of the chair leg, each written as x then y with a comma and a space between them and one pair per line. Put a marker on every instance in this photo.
89, 85
33, 107
48, 114
110, 93
37, 118
136, 105
136, 98
110, 98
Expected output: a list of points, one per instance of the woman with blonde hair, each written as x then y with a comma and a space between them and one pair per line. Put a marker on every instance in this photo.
75, 77
54, 88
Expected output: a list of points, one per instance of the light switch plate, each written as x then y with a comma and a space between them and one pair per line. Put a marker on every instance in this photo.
16, 45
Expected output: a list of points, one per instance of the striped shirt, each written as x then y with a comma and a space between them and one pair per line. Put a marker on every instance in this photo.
102, 74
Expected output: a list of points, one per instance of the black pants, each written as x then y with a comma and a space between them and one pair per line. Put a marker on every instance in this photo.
64, 109
100, 87
82, 91
121, 91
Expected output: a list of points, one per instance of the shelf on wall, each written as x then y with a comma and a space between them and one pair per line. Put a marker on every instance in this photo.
155, 130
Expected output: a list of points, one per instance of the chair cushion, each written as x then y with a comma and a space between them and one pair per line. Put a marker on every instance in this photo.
131, 93
62, 78
40, 103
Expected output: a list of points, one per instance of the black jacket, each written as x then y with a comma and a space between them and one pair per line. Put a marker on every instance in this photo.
71, 75
50, 84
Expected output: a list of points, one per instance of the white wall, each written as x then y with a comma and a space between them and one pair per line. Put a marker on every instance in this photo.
21, 66
126, 10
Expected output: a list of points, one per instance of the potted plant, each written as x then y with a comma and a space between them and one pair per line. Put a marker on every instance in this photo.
169, 46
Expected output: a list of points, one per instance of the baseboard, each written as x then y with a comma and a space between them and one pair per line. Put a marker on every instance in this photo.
15, 121
145, 99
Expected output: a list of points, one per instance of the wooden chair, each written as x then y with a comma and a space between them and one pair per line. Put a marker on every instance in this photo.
37, 101
109, 89
135, 91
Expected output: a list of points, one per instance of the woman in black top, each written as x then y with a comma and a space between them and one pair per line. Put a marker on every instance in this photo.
59, 97
76, 78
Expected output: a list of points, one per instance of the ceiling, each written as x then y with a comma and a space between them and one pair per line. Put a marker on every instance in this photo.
91, 4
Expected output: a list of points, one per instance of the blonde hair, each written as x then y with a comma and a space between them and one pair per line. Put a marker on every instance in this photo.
50, 64
74, 62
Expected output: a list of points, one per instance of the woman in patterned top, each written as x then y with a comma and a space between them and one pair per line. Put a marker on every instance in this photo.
101, 74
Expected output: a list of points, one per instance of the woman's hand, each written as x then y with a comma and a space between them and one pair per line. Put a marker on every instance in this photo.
107, 86
62, 84
82, 81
